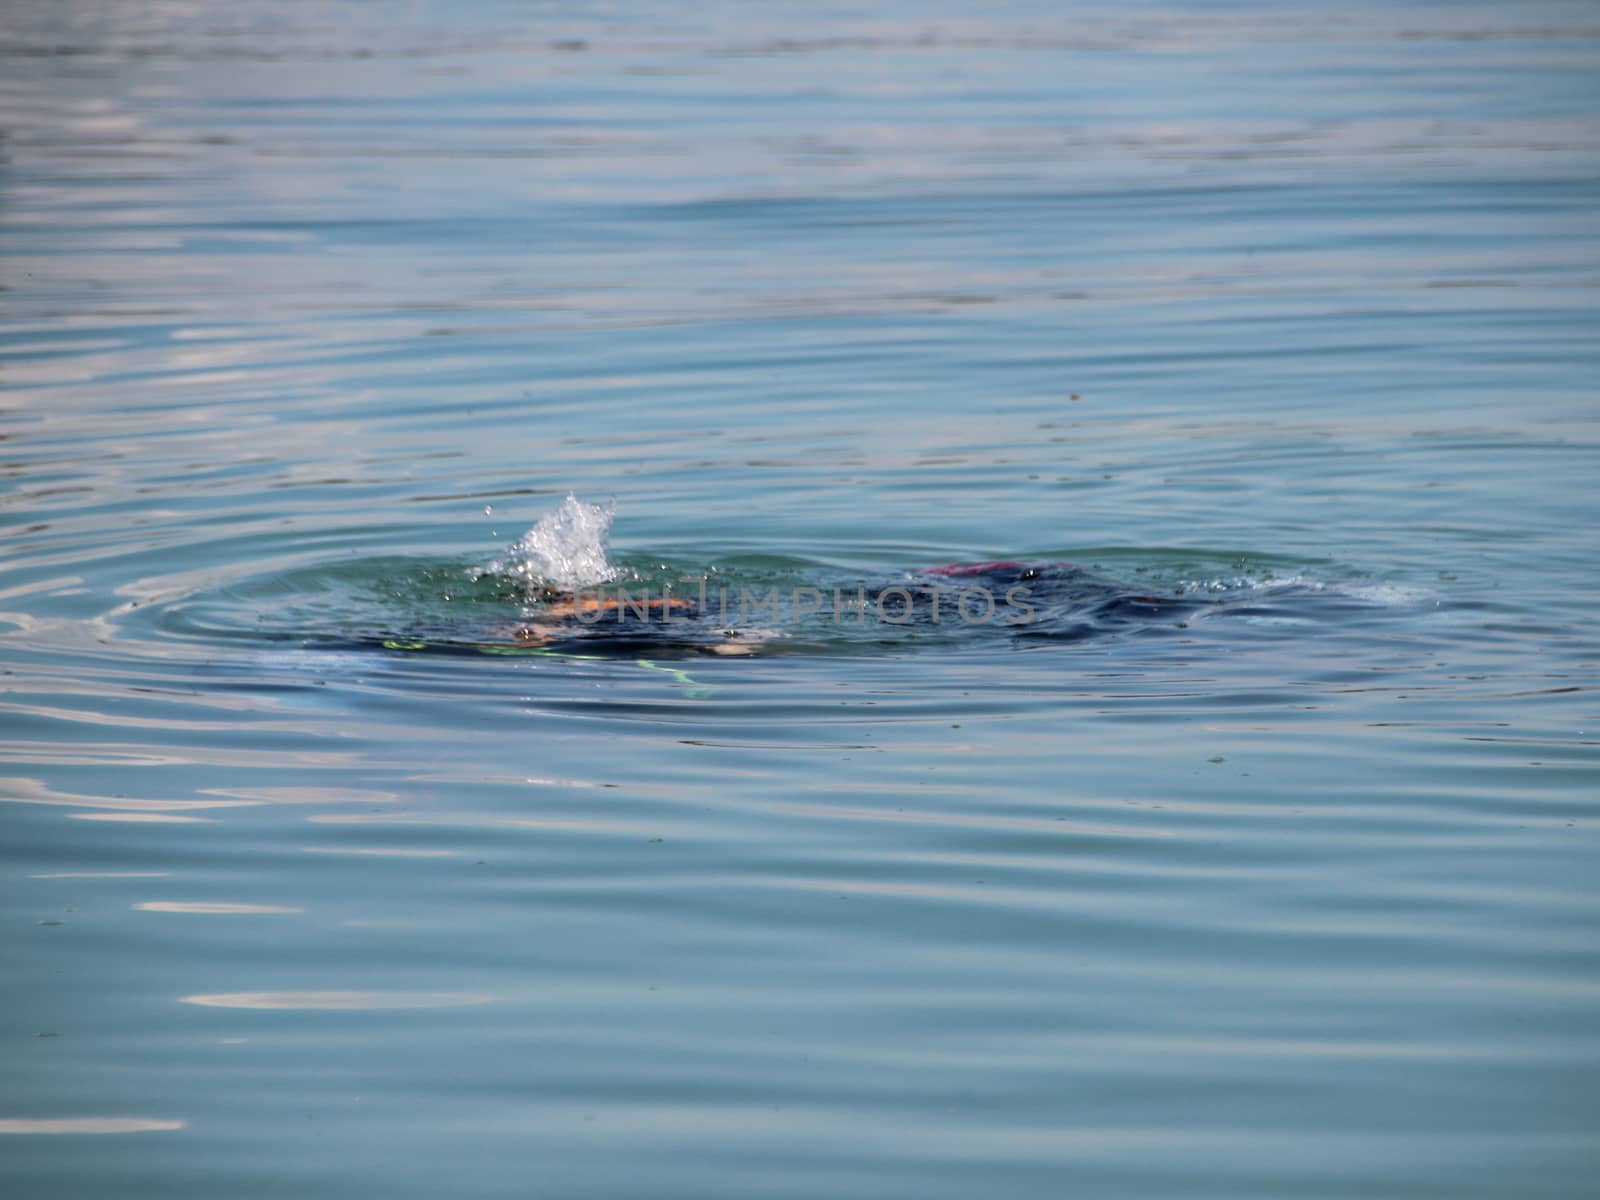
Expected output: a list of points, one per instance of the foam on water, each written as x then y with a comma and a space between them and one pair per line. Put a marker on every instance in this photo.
566, 549
1394, 594
1247, 583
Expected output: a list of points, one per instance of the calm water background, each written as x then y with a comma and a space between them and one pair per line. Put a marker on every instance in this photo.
1215, 293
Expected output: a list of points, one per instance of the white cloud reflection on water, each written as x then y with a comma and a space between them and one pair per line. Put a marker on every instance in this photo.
338, 1001
214, 907
87, 1125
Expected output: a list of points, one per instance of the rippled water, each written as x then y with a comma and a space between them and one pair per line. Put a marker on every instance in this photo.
1266, 870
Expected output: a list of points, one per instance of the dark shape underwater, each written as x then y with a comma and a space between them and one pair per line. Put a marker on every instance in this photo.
948, 605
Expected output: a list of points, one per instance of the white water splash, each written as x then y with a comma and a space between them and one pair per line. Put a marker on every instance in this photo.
566, 549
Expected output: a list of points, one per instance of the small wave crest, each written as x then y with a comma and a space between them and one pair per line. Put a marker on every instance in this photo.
566, 549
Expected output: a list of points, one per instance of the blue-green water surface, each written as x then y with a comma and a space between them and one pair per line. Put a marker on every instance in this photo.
310, 309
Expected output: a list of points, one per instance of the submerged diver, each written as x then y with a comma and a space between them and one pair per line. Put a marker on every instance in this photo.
555, 593
1052, 600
